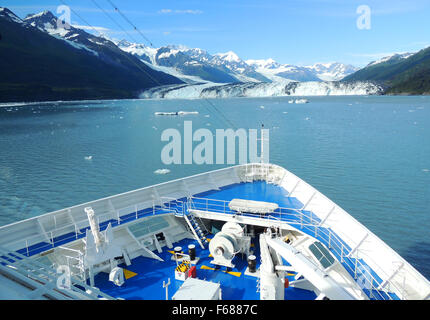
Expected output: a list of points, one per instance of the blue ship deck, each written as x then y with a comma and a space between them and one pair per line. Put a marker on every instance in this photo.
148, 283
151, 273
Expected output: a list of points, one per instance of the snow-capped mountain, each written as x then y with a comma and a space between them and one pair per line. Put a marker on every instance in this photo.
281, 72
42, 60
100, 46
332, 71
194, 62
318, 72
47, 22
229, 67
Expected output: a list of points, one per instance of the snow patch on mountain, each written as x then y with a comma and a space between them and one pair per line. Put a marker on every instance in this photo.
394, 56
229, 56
47, 22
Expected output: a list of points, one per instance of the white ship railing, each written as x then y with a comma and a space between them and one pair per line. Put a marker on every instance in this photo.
396, 273
361, 272
133, 213
45, 279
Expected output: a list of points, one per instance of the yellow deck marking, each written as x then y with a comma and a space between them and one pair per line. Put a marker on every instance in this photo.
252, 245
236, 274
129, 274
173, 252
233, 273
206, 268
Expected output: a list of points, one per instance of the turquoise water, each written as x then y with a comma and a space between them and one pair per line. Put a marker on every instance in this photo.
370, 155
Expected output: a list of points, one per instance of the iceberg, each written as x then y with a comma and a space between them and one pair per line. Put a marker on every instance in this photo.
162, 171
175, 113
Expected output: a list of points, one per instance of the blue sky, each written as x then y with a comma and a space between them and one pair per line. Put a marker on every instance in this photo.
298, 32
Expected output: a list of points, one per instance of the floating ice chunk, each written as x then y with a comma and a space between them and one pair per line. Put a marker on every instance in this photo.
175, 113
88, 158
162, 171
302, 101
181, 113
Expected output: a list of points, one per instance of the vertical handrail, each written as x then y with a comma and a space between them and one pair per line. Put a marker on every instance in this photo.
341, 254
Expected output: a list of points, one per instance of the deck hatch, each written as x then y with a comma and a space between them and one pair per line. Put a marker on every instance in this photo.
322, 254
148, 226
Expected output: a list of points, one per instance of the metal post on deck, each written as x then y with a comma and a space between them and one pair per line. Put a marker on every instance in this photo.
341, 254
355, 271
262, 144
166, 285
329, 239
26, 246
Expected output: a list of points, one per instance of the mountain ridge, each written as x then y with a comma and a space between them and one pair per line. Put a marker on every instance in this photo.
232, 66
66, 64
406, 74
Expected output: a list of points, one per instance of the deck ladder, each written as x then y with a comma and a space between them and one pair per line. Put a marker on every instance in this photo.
196, 229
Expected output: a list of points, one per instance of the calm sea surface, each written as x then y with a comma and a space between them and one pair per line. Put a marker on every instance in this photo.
370, 155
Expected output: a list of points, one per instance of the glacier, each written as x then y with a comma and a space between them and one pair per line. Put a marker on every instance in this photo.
262, 89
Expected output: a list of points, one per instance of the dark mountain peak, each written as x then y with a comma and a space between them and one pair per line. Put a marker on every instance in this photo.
5, 13
43, 19
41, 15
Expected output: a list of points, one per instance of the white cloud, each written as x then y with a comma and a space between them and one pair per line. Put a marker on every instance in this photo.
170, 11
90, 28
